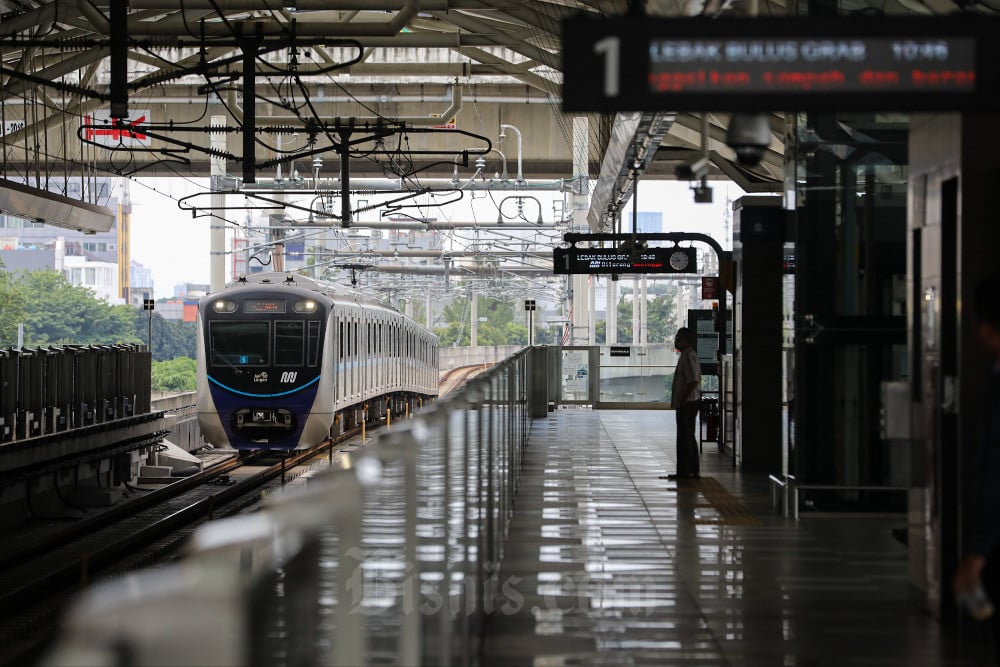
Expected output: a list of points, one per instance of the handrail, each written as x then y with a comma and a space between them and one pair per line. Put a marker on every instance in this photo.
391, 556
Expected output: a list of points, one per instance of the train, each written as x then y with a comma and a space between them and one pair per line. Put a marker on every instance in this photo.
285, 361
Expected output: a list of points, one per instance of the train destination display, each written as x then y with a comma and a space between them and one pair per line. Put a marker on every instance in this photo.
575, 260
775, 64
806, 65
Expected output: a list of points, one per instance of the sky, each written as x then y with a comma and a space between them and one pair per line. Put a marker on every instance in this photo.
175, 245
165, 238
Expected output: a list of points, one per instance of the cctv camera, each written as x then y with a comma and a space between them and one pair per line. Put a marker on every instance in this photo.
749, 134
702, 194
693, 169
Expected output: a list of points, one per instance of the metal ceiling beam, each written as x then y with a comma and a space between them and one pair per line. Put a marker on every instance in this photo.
634, 140
491, 32
505, 67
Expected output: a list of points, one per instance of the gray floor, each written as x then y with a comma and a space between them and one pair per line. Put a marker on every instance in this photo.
606, 564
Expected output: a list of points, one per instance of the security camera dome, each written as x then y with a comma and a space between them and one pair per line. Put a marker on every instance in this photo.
749, 135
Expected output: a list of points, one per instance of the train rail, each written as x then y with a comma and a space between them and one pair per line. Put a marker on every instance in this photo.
454, 378
39, 576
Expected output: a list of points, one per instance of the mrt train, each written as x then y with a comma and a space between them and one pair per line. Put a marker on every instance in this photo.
286, 361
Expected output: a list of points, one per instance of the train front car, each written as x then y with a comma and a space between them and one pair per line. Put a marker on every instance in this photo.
261, 383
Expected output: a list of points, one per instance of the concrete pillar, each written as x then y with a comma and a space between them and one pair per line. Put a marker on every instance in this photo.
636, 306
592, 310
580, 202
217, 229
581, 314
643, 313
612, 313
474, 317
538, 394
428, 319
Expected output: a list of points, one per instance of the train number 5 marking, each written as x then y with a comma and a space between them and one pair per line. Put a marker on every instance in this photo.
289, 376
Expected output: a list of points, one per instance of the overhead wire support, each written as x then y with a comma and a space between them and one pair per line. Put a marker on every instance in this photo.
119, 60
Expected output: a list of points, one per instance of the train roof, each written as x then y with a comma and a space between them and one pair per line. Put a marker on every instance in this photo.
340, 293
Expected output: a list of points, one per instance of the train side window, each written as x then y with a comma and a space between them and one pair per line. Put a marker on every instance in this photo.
340, 339
312, 353
289, 343
357, 350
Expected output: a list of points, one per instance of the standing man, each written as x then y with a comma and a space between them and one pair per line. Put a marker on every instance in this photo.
685, 397
981, 563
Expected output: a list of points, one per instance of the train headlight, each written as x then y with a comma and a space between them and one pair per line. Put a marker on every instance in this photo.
306, 306
224, 306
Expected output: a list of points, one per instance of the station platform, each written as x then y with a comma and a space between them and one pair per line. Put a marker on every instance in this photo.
607, 564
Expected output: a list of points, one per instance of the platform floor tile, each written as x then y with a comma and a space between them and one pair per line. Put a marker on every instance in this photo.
607, 564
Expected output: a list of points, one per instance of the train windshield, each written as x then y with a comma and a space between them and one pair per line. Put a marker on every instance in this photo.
240, 343
289, 343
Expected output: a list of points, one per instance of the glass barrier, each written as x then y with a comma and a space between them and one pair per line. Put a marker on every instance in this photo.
643, 376
391, 556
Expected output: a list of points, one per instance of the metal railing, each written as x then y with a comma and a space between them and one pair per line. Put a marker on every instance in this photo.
390, 557
57, 389
785, 492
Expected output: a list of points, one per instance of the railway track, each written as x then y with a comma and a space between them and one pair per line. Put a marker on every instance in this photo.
39, 577
456, 377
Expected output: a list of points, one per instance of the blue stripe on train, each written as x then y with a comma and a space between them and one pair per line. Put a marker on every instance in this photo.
244, 393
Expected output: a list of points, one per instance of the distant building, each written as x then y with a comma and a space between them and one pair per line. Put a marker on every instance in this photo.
90, 260
185, 310
101, 277
195, 290
141, 280
647, 222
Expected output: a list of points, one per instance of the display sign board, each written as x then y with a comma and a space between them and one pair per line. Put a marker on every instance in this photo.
100, 127
10, 126
263, 305
702, 323
620, 351
792, 63
709, 287
575, 260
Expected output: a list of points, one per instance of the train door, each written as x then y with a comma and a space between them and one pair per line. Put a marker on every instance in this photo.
340, 358
355, 365
395, 355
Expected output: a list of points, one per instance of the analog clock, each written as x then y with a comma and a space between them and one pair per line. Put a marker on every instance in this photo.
679, 260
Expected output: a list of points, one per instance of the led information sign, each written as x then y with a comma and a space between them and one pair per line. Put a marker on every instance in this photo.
897, 63
611, 260
264, 306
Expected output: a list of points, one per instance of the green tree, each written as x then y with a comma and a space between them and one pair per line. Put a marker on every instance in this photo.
624, 322
660, 319
174, 375
58, 313
171, 338
11, 308
54, 312
501, 325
